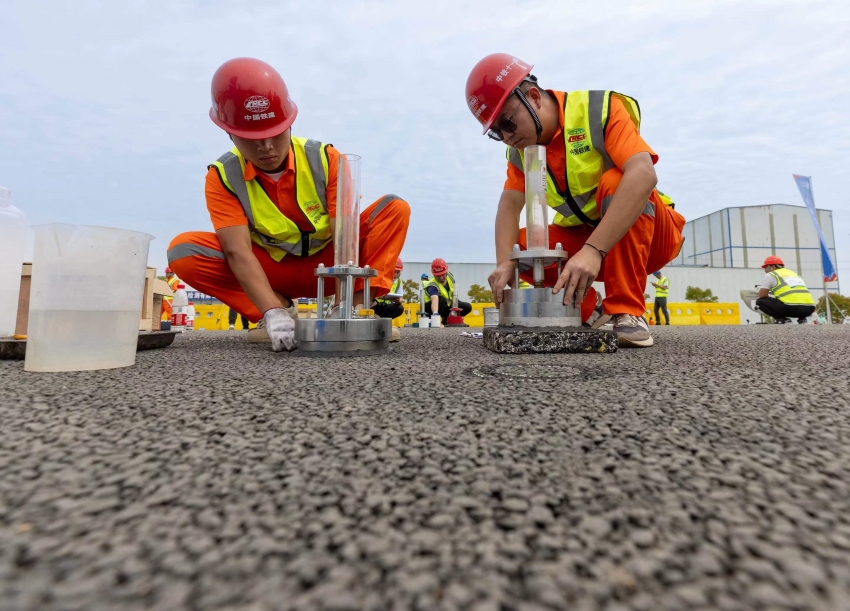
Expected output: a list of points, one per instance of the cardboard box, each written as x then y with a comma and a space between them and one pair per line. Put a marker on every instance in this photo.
160, 290
24, 300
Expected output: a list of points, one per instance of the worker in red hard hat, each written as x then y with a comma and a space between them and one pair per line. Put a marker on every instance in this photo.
167, 307
272, 201
613, 223
783, 295
391, 305
442, 292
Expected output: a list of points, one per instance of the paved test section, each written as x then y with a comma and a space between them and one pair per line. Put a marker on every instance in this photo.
709, 472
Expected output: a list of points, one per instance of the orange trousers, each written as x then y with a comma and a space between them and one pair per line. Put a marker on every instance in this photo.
197, 258
653, 241
167, 309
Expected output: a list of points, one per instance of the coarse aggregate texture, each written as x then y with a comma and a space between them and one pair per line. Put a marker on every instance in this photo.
711, 471
548, 340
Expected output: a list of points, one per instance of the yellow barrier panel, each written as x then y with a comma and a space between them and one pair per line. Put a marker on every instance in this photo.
719, 314
681, 314
213, 317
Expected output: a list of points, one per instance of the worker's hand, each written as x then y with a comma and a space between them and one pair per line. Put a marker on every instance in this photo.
281, 329
578, 275
502, 275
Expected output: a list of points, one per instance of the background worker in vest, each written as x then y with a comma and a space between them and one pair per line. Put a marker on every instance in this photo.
441, 292
610, 219
662, 289
783, 295
392, 307
172, 281
272, 201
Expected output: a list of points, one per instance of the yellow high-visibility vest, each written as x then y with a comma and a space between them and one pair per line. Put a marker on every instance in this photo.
790, 288
397, 288
269, 228
172, 284
585, 118
662, 292
447, 291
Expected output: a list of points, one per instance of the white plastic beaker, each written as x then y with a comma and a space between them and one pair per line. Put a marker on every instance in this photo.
86, 297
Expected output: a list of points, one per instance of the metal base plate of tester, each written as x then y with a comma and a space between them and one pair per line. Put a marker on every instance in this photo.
352, 337
537, 308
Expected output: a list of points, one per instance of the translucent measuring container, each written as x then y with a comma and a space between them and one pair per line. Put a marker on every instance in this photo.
13, 235
347, 229
86, 297
536, 203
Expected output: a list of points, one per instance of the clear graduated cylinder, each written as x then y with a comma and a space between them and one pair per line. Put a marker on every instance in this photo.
347, 223
536, 204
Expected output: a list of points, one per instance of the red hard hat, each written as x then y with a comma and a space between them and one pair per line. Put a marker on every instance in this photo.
439, 267
250, 99
772, 260
399, 265
490, 83
168, 270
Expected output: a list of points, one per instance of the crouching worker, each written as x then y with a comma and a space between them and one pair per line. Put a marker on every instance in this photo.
272, 201
783, 295
392, 307
441, 292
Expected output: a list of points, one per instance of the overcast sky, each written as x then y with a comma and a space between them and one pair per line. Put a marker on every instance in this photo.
103, 105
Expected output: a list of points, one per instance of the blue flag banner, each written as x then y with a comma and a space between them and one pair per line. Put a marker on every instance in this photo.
804, 183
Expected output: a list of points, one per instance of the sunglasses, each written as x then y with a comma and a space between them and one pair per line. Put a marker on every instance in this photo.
505, 125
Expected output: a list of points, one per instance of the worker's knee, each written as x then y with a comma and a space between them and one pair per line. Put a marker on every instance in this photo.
390, 207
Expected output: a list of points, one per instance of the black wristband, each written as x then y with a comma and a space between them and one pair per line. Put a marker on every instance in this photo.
599, 250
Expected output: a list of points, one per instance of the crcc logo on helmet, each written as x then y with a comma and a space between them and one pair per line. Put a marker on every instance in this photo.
257, 103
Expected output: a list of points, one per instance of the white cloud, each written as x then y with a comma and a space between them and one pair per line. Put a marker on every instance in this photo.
104, 106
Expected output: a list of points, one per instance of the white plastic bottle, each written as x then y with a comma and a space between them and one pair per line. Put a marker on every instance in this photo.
180, 308
190, 317
13, 238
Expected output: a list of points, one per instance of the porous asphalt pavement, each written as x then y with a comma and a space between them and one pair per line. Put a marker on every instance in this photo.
709, 472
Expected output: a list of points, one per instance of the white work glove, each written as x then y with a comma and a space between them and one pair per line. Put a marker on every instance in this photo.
281, 329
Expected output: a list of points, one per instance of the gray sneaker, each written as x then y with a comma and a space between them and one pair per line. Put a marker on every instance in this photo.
632, 331
598, 317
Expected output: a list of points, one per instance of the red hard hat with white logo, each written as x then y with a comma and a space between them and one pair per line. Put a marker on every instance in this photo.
250, 99
168, 270
772, 260
399, 265
490, 83
439, 267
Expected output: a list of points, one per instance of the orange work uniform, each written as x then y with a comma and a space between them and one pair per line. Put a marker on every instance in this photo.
197, 256
652, 242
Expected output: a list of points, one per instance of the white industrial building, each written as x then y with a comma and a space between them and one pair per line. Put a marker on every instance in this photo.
723, 251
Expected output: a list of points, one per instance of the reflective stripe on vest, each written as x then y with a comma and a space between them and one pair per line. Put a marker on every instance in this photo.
172, 284
445, 292
662, 292
269, 228
790, 288
586, 115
